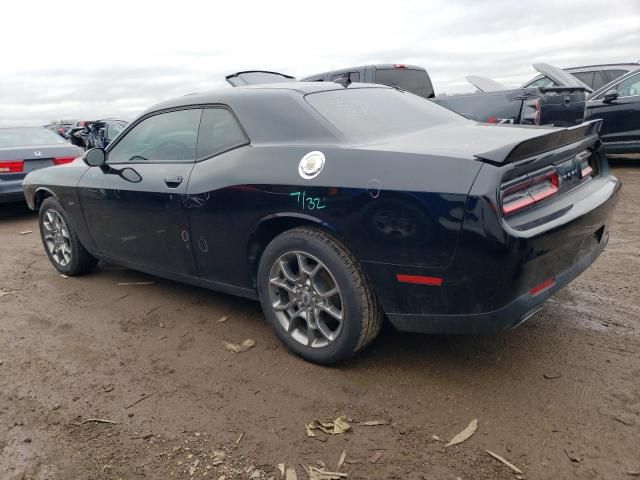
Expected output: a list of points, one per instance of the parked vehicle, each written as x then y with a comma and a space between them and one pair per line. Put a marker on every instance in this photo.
594, 76
556, 106
96, 133
407, 77
24, 150
560, 106
334, 204
618, 105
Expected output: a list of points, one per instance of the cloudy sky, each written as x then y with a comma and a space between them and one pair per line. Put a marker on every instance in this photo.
94, 58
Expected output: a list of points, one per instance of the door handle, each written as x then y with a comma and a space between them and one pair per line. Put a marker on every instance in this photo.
173, 181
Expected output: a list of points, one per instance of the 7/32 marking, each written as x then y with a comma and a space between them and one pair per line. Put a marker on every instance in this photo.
307, 202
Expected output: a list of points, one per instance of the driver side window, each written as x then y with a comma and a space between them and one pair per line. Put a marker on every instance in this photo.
164, 137
629, 87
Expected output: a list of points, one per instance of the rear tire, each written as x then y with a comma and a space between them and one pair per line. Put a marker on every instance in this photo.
61, 242
316, 297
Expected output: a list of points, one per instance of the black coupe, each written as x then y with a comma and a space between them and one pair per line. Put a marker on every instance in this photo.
335, 206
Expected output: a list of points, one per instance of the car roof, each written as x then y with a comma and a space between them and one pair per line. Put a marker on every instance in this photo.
611, 65
229, 95
379, 66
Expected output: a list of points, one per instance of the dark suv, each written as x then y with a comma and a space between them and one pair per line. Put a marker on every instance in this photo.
594, 76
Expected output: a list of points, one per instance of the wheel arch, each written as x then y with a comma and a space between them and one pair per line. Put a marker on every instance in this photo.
40, 195
271, 226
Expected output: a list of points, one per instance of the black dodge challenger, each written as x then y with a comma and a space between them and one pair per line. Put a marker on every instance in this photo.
335, 206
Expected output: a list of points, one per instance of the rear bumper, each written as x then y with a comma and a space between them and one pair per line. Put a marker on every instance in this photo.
509, 316
11, 191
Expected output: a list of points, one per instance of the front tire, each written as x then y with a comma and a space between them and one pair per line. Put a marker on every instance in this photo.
316, 297
61, 242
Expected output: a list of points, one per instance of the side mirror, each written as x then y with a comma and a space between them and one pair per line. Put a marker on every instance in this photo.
610, 96
95, 157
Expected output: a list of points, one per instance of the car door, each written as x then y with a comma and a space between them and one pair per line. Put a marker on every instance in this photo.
620, 117
135, 206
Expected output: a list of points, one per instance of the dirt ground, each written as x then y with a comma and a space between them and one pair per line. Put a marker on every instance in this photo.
558, 397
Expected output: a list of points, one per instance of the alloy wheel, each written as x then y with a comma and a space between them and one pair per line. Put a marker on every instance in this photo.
56, 237
306, 299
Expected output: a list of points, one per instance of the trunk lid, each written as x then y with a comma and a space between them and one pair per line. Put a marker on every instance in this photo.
485, 84
559, 76
496, 144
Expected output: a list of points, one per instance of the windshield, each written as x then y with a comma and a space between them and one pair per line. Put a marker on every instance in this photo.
414, 81
365, 113
15, 137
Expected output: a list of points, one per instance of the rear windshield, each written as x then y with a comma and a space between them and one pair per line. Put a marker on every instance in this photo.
365, 113
15, 137
414, 81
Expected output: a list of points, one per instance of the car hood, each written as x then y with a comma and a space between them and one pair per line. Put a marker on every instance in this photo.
491, 142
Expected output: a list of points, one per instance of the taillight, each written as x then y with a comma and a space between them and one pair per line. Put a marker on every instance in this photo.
399, 65
15, 166
531, 112
63, 160
529, 192
585, 167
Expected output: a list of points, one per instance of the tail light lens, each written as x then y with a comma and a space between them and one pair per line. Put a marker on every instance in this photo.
63, 160
585, 164
529, 192
15, 166
531, 112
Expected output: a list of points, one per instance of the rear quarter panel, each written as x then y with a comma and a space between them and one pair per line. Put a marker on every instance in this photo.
389, 208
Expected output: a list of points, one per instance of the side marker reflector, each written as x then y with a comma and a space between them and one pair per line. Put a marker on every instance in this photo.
542, 286
419, 279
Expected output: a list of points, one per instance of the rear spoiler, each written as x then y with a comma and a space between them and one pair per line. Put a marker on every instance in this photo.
544, 143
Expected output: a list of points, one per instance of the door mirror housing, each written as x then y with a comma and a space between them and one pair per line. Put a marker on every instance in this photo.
95, 157
610, 96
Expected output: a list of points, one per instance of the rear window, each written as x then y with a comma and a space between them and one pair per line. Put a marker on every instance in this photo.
414, 81
364, 113
17, 137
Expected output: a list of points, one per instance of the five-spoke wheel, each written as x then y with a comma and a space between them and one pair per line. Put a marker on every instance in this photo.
306, 299
61, 243
57, 238
316, 296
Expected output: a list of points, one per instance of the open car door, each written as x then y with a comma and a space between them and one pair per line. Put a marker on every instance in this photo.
560, 77
485, 84
257, 77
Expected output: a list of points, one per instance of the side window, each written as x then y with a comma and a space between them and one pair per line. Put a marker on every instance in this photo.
613, 74
219, 132
599, 80
585, 77
165, 137
629, 87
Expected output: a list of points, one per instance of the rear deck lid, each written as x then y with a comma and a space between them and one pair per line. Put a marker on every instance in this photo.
485, 84
560, 77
